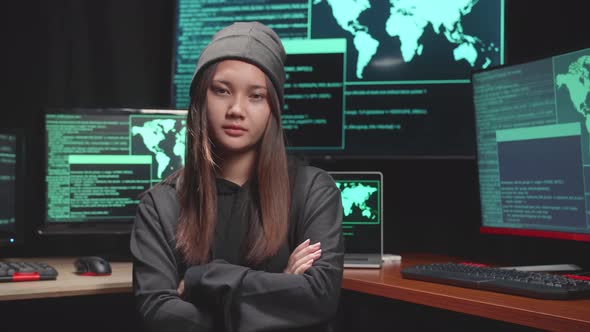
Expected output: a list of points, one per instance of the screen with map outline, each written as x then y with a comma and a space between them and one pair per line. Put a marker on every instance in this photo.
533, 135
99, 161
405, 78
362, 203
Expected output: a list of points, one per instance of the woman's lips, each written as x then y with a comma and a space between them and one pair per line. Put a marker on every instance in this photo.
233, 130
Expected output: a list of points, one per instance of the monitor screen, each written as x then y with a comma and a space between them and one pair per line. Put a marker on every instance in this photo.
10, 162
364, 78
99, 161
533, 147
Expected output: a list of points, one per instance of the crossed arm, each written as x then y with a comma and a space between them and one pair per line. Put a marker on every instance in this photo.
300, 260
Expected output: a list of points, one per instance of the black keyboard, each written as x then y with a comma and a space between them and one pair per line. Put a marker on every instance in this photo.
25, 271
531, 284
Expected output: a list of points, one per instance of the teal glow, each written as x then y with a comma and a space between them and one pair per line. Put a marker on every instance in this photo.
154, 130
356, 194
315, 46
577, 82
462, 81
110, 159
549, 131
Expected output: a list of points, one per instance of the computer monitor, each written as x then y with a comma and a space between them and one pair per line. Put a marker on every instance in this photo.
364, 78
11, 165
99, 162
533, 124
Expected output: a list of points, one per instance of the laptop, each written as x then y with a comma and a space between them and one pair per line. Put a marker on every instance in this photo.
362, 222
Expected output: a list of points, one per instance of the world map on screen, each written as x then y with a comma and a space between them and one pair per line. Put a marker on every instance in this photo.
162, 138
577, 82
359, 200
407, 21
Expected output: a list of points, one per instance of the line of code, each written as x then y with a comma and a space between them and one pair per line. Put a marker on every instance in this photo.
72, 134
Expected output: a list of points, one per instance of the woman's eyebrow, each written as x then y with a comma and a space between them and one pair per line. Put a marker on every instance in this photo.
222, 81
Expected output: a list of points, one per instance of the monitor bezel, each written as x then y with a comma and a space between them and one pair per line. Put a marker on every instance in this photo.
20, 185
172, 99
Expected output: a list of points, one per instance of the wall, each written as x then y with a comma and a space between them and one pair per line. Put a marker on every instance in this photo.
118, 54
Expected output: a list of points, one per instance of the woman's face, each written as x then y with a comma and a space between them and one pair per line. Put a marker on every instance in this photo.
238, 108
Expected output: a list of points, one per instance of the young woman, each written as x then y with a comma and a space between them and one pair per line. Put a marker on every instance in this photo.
239, 240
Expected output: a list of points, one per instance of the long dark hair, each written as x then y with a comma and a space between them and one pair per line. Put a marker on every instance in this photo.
197, 192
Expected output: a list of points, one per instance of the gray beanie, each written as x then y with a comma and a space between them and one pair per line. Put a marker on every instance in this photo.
251, 42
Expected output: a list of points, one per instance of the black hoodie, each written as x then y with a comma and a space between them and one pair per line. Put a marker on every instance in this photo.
226, 294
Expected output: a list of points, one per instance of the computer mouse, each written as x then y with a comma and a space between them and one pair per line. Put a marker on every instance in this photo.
92, 266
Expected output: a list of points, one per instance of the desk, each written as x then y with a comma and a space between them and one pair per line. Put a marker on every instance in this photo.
68, 283
573, 315
386, 282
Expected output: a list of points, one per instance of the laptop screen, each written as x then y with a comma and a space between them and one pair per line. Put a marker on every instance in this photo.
362, 197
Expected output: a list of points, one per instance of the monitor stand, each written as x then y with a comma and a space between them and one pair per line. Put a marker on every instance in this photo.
391, 258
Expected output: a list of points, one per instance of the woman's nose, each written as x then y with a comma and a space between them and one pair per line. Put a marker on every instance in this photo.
236, 109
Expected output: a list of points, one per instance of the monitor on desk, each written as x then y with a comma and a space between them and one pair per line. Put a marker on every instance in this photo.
533, 125
99, 162
383, 79
11, 176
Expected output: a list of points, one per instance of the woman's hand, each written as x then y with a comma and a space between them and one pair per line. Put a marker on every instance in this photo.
180, 289
302, 257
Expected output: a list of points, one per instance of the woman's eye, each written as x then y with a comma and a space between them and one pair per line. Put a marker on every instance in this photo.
219, 91
257, 96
